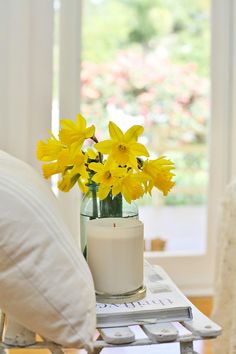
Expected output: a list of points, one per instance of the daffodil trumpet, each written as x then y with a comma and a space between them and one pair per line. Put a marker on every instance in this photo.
119, 166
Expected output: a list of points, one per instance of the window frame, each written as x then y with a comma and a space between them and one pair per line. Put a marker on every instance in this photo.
194, 273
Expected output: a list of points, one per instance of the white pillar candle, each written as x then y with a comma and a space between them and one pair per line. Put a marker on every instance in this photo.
115, 254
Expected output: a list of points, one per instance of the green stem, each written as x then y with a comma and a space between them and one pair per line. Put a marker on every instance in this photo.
99, 154
111, 207
95, 205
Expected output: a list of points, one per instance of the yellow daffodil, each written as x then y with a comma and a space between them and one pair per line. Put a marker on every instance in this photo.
92, 154
65, 184
123, 148
122, 173
130, 186
105, 176
50, 150
75, 132
78, 173
58, 154
159, 174
83, 184
52, 168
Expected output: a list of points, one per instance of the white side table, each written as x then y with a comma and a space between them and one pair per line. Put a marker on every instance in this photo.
184, 333
199, 328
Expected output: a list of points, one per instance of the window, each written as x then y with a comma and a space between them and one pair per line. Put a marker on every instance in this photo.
152, 68
193, 271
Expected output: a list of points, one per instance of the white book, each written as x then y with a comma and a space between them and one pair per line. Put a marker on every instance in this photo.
163, 302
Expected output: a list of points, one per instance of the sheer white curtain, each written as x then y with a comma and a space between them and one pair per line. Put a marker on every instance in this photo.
26, 37
224, 59
26, 43
26, 79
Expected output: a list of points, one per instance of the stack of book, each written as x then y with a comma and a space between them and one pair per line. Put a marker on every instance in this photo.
164, 302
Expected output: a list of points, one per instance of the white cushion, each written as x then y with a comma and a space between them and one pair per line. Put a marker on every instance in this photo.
45, 283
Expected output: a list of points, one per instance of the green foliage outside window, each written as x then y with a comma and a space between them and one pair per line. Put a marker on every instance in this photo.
149, 60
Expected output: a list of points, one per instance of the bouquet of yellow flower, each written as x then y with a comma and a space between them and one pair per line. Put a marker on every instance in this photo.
117, 165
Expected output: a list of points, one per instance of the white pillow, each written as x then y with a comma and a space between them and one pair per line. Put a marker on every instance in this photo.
45, 283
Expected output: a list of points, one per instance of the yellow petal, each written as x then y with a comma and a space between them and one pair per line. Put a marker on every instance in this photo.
133, 162
96, 166
104, 146
116, 189
150, 187
164, 185
75, 150
50, 169
64, 158
69, 136
80, 159
126, 194
115, 132
133, 133
92, 154
72, 132
103, 191
82, 185
97, 177
119, 171
65, 184
67, 123
81, 122
79, 170
89, 132
162, 161
121, 158
138, 149
148, 183
48, 151
40, 150
160, 174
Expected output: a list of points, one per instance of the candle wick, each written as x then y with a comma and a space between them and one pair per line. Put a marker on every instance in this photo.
114, 224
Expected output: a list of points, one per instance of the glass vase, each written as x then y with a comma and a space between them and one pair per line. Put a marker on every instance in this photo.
93, 208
